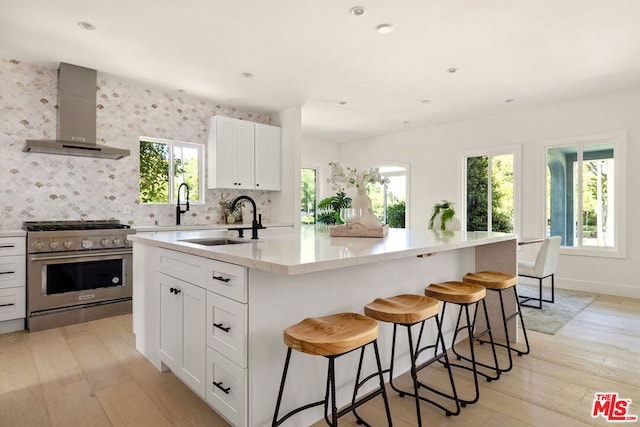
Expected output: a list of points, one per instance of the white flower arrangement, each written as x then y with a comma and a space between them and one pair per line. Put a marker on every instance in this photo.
342, 176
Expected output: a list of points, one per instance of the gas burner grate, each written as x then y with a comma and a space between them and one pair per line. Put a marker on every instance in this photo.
73, 225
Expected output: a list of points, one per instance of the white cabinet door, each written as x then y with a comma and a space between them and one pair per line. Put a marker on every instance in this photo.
221, 152
169, 321
268, 154
182, 331
227, 328
193, 364
230, 151
227, 388
244, 145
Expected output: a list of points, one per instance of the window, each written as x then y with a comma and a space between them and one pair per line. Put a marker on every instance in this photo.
166, 164
389, 201
490, 189
583, 194
308, 183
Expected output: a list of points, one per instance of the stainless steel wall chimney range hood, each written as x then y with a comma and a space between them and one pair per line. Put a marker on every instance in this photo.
76, 132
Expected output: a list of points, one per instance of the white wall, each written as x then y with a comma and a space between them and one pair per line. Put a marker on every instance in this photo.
434, 154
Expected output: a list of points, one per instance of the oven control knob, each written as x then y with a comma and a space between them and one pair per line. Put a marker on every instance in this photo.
38, 246
87, 244
68, 244
104, 242
54, 245
117, 242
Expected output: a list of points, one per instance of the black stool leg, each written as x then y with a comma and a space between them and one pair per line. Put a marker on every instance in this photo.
470, 326
277, 422
381, 388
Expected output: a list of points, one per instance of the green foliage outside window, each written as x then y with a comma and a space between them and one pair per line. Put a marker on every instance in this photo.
154, 170
501, 193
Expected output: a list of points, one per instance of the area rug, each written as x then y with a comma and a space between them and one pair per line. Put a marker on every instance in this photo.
552, 317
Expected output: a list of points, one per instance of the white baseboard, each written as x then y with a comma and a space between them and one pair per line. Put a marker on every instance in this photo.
615, 289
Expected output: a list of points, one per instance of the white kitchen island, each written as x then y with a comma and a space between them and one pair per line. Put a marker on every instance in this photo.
237, 299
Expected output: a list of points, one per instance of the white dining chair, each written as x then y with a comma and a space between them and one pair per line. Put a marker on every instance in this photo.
542, 267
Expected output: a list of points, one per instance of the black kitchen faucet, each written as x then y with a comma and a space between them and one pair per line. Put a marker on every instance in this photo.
179, 211
255, 224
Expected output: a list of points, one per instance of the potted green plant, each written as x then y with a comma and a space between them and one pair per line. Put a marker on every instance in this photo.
231, 216
442, 211
329, 208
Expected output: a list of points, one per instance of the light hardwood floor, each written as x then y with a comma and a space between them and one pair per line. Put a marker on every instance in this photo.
91, 375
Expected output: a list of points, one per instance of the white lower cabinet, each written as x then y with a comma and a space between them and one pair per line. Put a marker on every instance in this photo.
203, 329
182, 330
13, 293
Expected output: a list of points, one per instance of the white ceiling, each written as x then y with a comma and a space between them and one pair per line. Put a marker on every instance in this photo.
314, 53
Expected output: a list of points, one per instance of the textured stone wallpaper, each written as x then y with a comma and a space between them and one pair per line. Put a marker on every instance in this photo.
38, 187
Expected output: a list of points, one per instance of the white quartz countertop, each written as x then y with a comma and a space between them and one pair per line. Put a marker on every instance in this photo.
12, 233
308, 249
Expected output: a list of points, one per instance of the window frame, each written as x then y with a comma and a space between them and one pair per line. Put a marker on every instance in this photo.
171, 143
619, 141
516, 151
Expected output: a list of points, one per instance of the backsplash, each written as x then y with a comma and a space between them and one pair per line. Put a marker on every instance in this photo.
39, 187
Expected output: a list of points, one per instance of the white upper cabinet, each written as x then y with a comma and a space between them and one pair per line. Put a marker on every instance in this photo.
243, 154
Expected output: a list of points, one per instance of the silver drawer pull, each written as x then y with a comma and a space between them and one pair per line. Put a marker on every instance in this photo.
219, 326
224, 390
6, 305
222, 279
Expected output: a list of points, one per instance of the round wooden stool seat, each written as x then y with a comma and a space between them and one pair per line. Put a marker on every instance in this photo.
491, 279
331, 335
405, 309
456, 292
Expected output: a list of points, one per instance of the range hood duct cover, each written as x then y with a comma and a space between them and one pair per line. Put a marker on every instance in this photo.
76, 118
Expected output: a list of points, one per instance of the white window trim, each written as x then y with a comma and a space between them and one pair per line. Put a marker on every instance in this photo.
201, 172
619, 141
516, 150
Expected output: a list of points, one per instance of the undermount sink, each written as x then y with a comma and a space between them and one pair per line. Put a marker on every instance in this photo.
216, 241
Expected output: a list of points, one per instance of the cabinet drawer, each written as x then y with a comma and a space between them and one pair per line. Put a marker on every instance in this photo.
13, 303
227, 327
229, 280
227, 388
12, 271
13, 246
189, 268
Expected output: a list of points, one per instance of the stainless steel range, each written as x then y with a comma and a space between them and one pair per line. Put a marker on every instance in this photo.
77, 271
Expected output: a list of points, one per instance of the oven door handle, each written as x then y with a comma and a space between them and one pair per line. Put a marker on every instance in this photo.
81, 255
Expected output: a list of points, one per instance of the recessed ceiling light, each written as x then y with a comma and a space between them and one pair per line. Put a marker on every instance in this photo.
406, 122
86, 26
342, 102
452, 70
358, 11
384, 28
425, 101
509, 100
247, 75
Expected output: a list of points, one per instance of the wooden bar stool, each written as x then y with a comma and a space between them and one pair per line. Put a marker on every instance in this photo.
408, 310
333, 336
499, 282
464, 295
